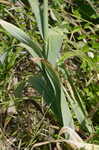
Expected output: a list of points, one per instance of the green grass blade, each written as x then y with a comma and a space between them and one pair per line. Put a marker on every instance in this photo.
81, 54
70, 54
81, 107
21, 36
75, 107
77, 104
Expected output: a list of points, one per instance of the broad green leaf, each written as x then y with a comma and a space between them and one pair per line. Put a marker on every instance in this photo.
30, 50
66, 113
40, 84
61, 110
45, 20
55, 40
41, 15
21, 36
38, 14
60, 106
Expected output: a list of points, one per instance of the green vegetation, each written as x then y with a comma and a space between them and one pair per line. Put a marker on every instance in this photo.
49, 74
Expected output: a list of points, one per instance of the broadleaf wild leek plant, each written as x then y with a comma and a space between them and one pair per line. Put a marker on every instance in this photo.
48, 83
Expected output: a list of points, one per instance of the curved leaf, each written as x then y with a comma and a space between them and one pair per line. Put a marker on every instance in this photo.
21, 36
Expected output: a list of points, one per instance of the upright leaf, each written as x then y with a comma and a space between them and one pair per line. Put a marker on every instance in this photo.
38, 14
45, 19
60, 106
55, 39
66, 113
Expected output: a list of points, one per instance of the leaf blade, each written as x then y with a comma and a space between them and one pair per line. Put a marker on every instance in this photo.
38, 14
21, 36
55, 39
